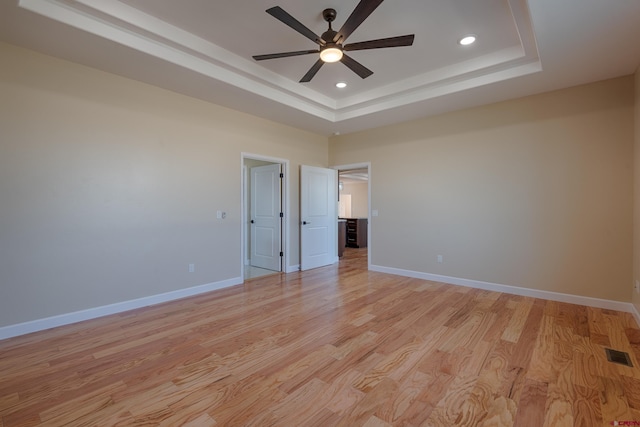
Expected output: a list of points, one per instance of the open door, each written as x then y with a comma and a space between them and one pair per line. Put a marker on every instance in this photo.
266, 219
318, 217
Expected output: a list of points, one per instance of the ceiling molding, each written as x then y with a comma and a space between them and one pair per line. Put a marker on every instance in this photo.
137, 30
130, 27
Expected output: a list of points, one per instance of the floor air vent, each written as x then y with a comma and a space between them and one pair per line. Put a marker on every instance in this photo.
620, 357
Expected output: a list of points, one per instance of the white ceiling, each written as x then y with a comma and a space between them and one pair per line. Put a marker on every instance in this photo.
203, 48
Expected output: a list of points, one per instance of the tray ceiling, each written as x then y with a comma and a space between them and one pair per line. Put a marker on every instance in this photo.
203, 49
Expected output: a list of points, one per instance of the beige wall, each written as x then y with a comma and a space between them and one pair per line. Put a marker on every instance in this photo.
110, 187
535, 192
636, 249
359, 198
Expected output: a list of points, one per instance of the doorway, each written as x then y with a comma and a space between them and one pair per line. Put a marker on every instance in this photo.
354, 206
265, 211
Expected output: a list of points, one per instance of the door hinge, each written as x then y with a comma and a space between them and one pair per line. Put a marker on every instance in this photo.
281, 214
281, 253
281, 175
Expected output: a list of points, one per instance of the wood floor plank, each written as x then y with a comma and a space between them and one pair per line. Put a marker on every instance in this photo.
364, 409
631, 390
531, 407
343, 394
523, 350
517, 321
614, 402
450, 408
338, 345
396, 408
586, 407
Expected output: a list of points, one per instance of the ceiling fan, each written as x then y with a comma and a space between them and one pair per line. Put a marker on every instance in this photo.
331, 43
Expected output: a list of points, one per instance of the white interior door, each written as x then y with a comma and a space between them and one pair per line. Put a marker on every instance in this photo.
318, 217
266, 222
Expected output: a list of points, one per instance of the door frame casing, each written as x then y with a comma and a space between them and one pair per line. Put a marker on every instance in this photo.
363, 165
285, 207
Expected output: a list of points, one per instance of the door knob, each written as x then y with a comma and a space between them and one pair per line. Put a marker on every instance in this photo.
305, 222
251, 221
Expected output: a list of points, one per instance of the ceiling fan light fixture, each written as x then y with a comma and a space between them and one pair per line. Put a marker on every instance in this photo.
331, 43
331, 54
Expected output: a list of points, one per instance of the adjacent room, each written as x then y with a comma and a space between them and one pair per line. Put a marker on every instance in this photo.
340, 214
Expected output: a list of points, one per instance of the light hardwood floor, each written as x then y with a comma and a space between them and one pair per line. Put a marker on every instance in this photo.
335, 346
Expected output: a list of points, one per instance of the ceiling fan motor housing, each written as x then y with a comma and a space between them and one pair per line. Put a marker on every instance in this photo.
329, 15
329, 36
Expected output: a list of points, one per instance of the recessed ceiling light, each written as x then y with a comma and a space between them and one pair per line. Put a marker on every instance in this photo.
467, 40
341, 85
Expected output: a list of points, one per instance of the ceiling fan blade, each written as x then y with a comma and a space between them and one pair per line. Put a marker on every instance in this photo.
357, 17
381, 43
283, 54
279, 13
312, 71
356, 67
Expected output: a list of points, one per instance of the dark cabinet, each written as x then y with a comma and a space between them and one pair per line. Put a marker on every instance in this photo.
357, 232
342, 236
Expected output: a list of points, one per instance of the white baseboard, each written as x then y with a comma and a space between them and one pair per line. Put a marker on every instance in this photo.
92, 313
515, 290
636, 314
105, 310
